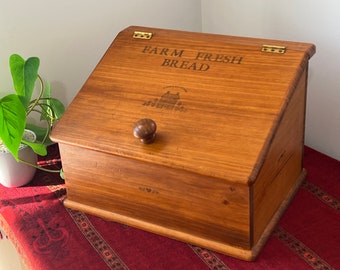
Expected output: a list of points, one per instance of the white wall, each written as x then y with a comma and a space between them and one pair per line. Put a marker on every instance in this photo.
311, 21
70, 37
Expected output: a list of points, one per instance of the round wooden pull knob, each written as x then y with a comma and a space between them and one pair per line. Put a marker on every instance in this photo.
145, 130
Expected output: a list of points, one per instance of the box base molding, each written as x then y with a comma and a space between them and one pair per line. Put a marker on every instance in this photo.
237, 252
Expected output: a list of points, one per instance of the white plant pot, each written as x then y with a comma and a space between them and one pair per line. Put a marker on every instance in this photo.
16, 174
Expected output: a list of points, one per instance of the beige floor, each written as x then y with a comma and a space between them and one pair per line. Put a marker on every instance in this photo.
9, 259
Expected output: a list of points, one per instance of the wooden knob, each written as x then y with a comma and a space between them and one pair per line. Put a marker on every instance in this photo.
145, 130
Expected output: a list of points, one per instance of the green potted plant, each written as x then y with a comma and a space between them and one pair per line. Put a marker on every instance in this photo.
18, 145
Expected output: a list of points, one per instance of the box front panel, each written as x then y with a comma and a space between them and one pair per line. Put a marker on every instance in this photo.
206, 208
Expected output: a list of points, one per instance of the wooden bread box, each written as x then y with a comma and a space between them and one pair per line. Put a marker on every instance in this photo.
198, 137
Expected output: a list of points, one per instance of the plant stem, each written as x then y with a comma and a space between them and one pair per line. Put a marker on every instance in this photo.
40, 95
38, 167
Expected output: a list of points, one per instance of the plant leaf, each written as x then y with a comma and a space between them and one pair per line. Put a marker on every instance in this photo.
62, 176
38, 148
57, 107
47, 90
31, 74
54, 108
17, 66
40, 132
24, 75
12, 122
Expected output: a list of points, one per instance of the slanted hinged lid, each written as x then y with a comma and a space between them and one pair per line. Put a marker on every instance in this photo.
215, 99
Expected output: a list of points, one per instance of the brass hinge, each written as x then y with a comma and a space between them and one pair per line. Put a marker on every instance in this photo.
273, 49
142, 35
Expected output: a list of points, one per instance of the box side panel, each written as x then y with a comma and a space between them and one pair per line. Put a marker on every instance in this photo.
206, 208
282, 169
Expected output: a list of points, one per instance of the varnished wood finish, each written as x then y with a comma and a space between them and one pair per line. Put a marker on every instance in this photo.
228, 152
283, 160
177, 200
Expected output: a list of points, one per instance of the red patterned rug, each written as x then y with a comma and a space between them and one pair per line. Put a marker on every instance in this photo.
49, 237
